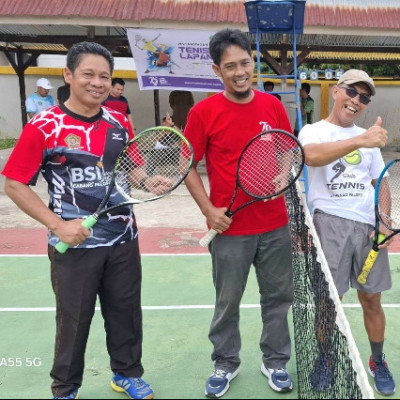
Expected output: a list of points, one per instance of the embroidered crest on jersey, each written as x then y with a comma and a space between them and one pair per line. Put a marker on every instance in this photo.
73, 141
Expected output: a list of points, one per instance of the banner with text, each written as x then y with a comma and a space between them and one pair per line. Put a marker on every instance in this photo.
173, 59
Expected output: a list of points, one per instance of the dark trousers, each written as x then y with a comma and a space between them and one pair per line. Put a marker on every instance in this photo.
78, 277
232, 257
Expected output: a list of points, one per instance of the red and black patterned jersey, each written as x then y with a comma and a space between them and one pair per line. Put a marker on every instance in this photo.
76, 156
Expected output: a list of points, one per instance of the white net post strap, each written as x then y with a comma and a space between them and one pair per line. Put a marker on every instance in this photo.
341, 319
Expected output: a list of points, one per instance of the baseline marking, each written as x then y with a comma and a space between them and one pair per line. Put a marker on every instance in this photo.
156, 308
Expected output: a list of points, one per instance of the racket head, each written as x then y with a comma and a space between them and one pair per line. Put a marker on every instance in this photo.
163, 153
270, 163
387, 196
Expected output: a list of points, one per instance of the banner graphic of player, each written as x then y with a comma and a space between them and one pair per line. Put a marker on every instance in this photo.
173, 59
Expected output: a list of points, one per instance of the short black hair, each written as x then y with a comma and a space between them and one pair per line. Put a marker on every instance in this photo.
269, 83
306, 86
78, 50
225, 38
117, 81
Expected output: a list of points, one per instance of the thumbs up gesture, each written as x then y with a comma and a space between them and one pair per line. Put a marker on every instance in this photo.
375, 136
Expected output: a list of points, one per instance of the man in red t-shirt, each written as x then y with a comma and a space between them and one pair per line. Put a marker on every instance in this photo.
117, 101
219, 128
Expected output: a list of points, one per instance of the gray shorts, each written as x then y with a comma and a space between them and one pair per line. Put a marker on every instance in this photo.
346, 245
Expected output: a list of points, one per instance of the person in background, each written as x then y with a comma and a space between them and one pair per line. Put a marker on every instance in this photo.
167, 144
180, 101
269, 87
117, 101
41, 99
344, 162
63, 93
76, 151
306, 107
219, 127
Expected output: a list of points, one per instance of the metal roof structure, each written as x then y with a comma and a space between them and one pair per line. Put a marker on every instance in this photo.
335, 31
335, 26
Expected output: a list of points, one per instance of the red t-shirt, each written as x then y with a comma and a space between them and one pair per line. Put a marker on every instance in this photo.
118, 104
219, 129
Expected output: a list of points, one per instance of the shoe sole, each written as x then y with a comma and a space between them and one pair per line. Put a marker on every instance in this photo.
265, 372
121, 390
233, 376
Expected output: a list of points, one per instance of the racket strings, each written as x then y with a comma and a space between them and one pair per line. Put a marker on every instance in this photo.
269, 165
389, 197
162, 154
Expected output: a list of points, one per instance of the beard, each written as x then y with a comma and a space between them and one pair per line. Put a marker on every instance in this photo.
242, 95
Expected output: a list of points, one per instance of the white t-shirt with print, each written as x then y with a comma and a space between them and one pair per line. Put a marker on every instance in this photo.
343, 187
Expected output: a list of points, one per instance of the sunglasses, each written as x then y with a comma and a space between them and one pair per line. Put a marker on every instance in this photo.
351, 92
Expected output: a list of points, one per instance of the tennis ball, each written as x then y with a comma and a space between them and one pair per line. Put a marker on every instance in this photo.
353, 158
381, 237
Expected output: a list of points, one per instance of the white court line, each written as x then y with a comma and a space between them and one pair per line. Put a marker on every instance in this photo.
156, 308
143, 254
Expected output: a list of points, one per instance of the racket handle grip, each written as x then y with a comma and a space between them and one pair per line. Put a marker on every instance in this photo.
88, 222
366, 269
208, 237
62, 247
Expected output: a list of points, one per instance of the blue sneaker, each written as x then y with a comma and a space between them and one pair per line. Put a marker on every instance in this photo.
278, 379
384, 382
218, 383
73, 395
321, 377
135, 388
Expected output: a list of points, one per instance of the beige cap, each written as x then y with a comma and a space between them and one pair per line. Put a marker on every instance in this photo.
353, 76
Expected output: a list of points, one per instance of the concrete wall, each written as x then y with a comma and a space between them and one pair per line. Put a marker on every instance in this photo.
141, 102
386, 103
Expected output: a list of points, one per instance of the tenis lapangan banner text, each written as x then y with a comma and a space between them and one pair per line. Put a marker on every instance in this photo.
173, 59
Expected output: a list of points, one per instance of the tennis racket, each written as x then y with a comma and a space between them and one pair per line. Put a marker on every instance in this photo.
144, 171
137, 39
387, 190
268, 165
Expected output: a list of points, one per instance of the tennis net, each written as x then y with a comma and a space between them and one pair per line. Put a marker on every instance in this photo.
329, 365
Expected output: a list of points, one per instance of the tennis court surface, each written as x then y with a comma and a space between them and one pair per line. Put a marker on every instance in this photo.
178, 303
178, 299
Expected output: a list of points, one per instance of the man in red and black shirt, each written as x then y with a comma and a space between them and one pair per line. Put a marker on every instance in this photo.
75, 145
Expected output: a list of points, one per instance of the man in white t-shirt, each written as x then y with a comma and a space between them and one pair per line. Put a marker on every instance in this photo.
41, 99
344, 162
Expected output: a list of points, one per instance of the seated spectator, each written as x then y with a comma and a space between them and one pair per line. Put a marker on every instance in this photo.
41, 99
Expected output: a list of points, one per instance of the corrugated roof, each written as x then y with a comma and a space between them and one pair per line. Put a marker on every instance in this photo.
383, 14
329, 25
130, 10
